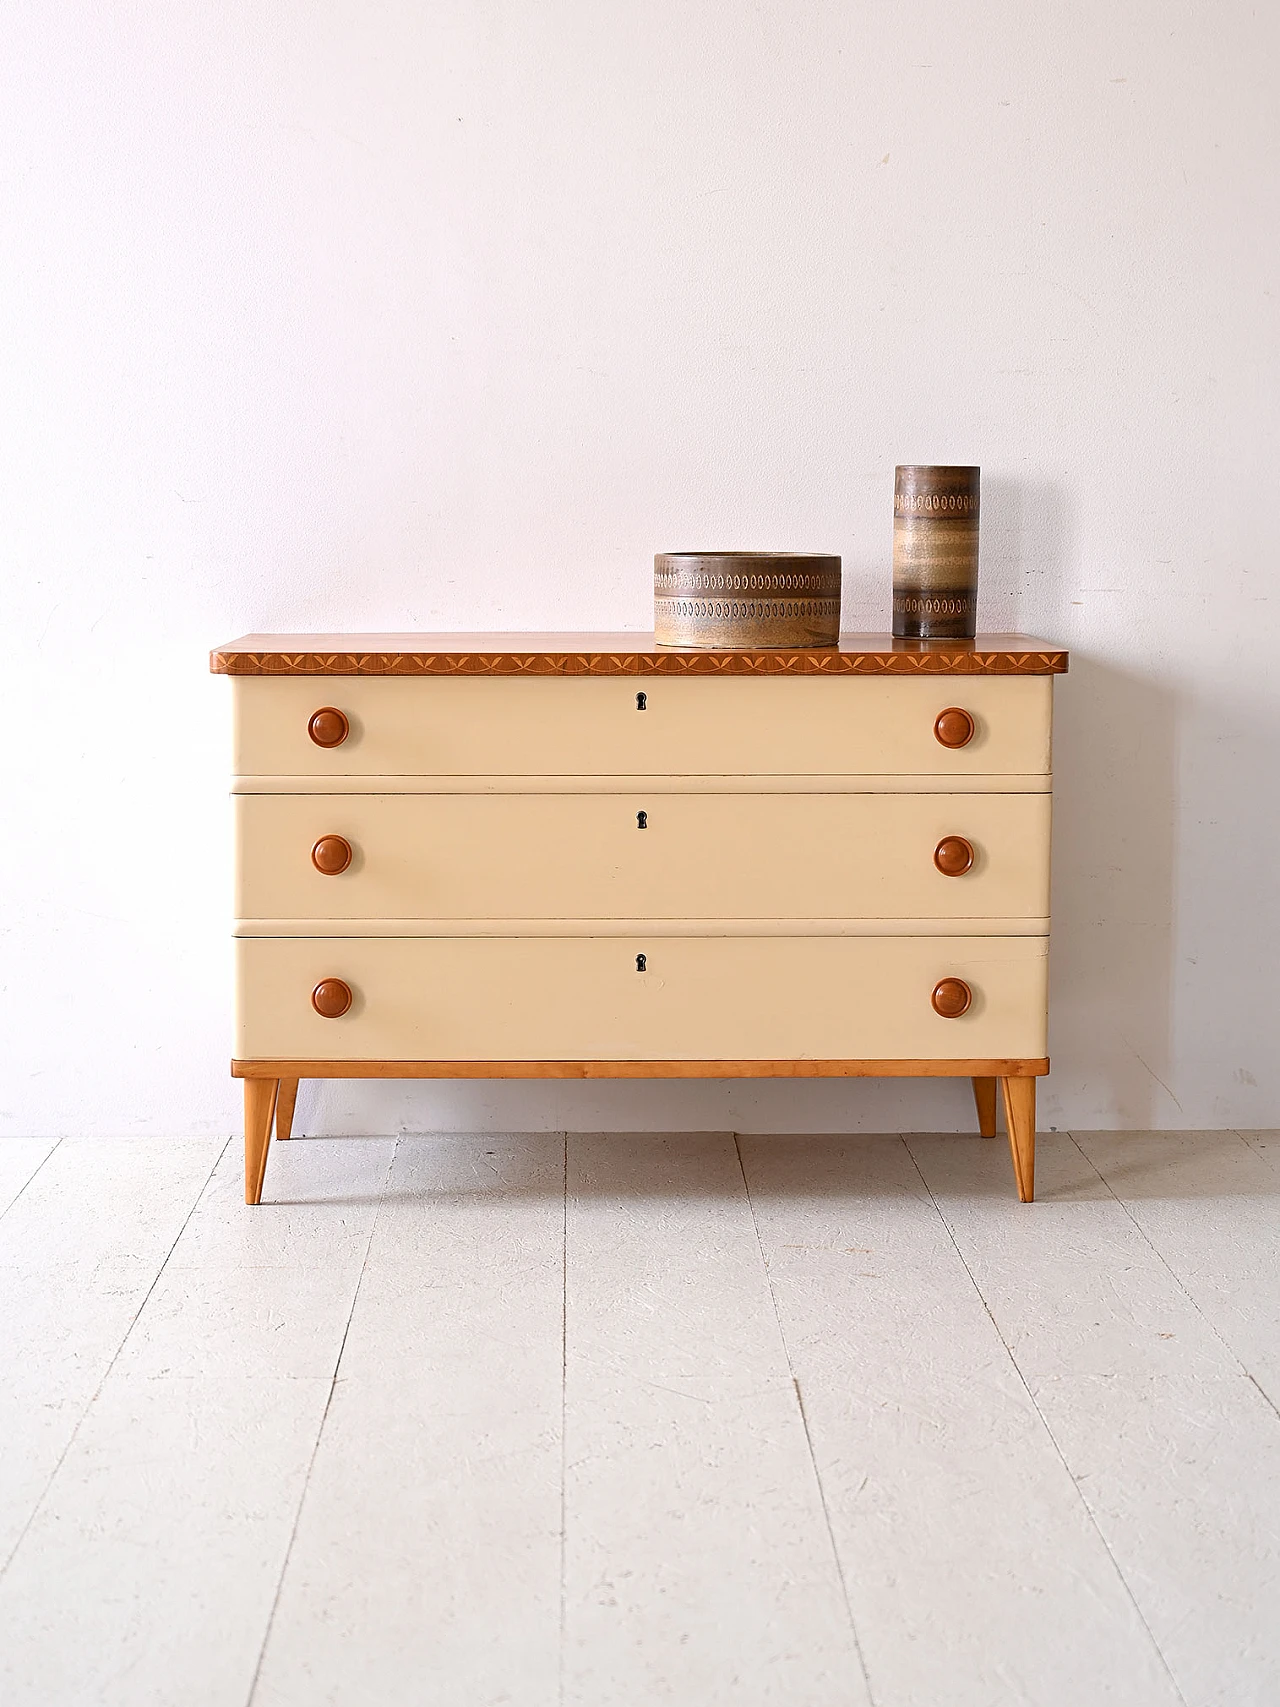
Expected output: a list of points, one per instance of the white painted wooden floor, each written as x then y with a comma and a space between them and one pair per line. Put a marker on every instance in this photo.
632, 1420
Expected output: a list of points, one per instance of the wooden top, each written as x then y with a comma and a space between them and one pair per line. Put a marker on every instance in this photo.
622, 655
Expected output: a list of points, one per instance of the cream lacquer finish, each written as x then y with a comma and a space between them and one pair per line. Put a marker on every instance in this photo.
583, 856
553, 726
624, 927
881, 782
566, 998
782, 893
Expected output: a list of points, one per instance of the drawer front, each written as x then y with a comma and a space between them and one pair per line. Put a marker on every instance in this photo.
699, 998
695, 726
585, 856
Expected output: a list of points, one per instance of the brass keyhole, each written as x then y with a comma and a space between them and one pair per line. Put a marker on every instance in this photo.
642, 820
642, 702
642, 965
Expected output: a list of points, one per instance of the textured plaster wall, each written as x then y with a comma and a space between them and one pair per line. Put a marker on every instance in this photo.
449, 315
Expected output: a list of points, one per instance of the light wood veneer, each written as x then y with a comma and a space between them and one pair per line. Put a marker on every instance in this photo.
623, 654
982, 1072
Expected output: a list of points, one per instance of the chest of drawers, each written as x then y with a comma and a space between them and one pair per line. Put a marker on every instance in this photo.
586, 856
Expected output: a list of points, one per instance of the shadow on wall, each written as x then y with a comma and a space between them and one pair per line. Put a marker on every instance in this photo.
1111, 970
1111, 964
1114, 760
834, 1106
1114, 881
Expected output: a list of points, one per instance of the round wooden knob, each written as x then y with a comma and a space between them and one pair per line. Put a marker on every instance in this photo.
331, 855
331, 998
954, 727
953, 856
329, 727
951, 998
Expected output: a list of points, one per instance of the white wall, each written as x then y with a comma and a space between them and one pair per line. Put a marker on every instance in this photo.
359, 315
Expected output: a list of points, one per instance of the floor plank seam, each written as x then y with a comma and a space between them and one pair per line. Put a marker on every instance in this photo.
115, 1358
1050, 1435
54, 1147
315, 1445
564, 1411
808, 1438
1155, 1250
1272, 1162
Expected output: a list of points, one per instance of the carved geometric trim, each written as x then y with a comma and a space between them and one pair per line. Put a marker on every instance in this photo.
821, 661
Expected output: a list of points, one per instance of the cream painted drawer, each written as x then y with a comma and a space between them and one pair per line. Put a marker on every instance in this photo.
584, 856
701, 999
693, 726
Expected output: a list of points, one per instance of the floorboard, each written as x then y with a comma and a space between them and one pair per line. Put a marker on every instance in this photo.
20, 1159
1173, 1447
1210, 1206
1264, 1143
426, 1566
267, 1294
150, 1570
699, 1568
80, 1249
147, 1577
975, 1573
424, 1428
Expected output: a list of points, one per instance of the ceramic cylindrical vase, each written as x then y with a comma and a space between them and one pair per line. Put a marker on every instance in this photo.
935, 552
713, 599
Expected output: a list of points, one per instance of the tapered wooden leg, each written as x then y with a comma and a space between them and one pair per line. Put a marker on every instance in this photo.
259, 1109
1020, 1119
984, 1095
284, 1107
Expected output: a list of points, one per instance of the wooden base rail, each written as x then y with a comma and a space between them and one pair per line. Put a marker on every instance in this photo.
967, 1069
271, 1091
